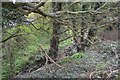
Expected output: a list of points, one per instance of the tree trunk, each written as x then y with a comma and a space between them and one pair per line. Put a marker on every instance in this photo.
55, 35
93, 32
75, 29
83, 27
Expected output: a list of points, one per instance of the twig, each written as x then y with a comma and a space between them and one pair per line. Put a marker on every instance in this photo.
114, 71
50, 57
37, 28
13, 36
77, 12
102, 6
92, 74
46, 60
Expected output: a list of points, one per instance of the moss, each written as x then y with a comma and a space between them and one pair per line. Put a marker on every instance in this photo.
118, 77
77, 56
101, 65
74, 57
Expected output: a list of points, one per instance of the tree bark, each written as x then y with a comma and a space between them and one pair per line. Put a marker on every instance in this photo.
93, 32
55, 35
83, 26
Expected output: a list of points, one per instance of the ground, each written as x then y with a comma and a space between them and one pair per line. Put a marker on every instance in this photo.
94, 63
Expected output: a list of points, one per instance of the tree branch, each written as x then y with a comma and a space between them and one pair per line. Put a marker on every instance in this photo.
50, 58
36, 27
12, 36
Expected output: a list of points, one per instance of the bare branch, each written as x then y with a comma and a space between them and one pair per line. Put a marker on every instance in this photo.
77, 12
50, 57
37, 28
102, 6
12, 36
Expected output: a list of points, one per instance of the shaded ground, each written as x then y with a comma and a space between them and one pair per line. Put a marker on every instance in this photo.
100, 63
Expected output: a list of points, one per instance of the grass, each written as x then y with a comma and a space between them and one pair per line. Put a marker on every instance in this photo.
74, 57
65, 43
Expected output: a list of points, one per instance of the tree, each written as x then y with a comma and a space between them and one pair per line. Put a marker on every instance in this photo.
76, 40
80, 23
57, 17
57, 6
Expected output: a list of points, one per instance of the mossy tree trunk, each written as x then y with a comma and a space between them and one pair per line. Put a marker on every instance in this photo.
55, 35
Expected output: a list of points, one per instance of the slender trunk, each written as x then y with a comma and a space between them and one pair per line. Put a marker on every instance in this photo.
76, 40
93, 32
55, 35
82, 40
75, 29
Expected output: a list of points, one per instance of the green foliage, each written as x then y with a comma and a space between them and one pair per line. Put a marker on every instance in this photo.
65, 43
25, 46
74, 57
23, 53
101, 65
77, 56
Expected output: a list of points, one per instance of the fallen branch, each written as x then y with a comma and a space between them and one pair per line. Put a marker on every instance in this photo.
50, 58
102, 6
91, 74
112, 72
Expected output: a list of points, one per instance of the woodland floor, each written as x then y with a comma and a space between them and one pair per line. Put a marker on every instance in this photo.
94, 63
